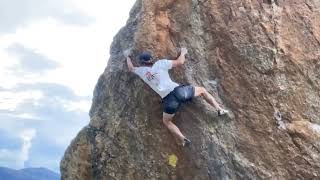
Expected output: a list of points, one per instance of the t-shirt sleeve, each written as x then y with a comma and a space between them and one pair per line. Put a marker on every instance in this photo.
164, 64
137, 70
140, 71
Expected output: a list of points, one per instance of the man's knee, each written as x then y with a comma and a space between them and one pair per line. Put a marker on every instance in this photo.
201, 91
204, 91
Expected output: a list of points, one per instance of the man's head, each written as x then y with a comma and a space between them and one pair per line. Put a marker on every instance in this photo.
145, 58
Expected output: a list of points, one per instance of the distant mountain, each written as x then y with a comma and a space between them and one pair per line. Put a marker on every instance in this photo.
28, 174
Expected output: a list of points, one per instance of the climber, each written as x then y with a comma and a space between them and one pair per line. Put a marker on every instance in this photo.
173, 95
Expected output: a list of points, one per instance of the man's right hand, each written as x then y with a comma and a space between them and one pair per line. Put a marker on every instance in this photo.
184, 51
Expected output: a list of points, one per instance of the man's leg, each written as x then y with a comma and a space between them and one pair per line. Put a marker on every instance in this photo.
201, 91
167, 120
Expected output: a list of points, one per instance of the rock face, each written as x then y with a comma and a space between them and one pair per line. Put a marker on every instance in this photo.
260, 59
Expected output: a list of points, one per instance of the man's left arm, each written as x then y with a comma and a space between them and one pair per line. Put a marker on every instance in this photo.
181, 59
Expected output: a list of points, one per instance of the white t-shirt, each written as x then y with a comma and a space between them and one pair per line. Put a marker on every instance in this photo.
157, 77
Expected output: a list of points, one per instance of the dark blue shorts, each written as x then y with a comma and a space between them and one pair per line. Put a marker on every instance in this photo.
175, 98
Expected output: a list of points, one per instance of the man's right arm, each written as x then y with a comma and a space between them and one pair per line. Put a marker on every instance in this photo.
181, 59
127, 53
130, 65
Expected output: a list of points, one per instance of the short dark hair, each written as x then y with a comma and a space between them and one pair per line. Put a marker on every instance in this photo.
145, 57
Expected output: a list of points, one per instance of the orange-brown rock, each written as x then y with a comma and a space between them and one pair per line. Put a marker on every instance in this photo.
260, 59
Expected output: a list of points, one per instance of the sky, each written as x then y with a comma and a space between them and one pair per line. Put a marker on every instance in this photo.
51, 55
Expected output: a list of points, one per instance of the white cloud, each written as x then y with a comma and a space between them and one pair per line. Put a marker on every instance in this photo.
17, 13
6, 62
30, 61
83, 105
80, 51
24, 116
16, 158
27, 136
10, 100
85, 58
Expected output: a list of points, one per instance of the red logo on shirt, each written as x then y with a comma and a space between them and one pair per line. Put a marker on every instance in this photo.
150, 76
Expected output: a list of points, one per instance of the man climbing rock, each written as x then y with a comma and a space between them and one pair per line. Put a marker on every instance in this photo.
173, 95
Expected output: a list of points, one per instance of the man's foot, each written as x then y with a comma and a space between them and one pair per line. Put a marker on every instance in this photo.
222, 112
186, 142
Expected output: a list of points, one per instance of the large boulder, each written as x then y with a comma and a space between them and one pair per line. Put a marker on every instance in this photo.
260, 59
